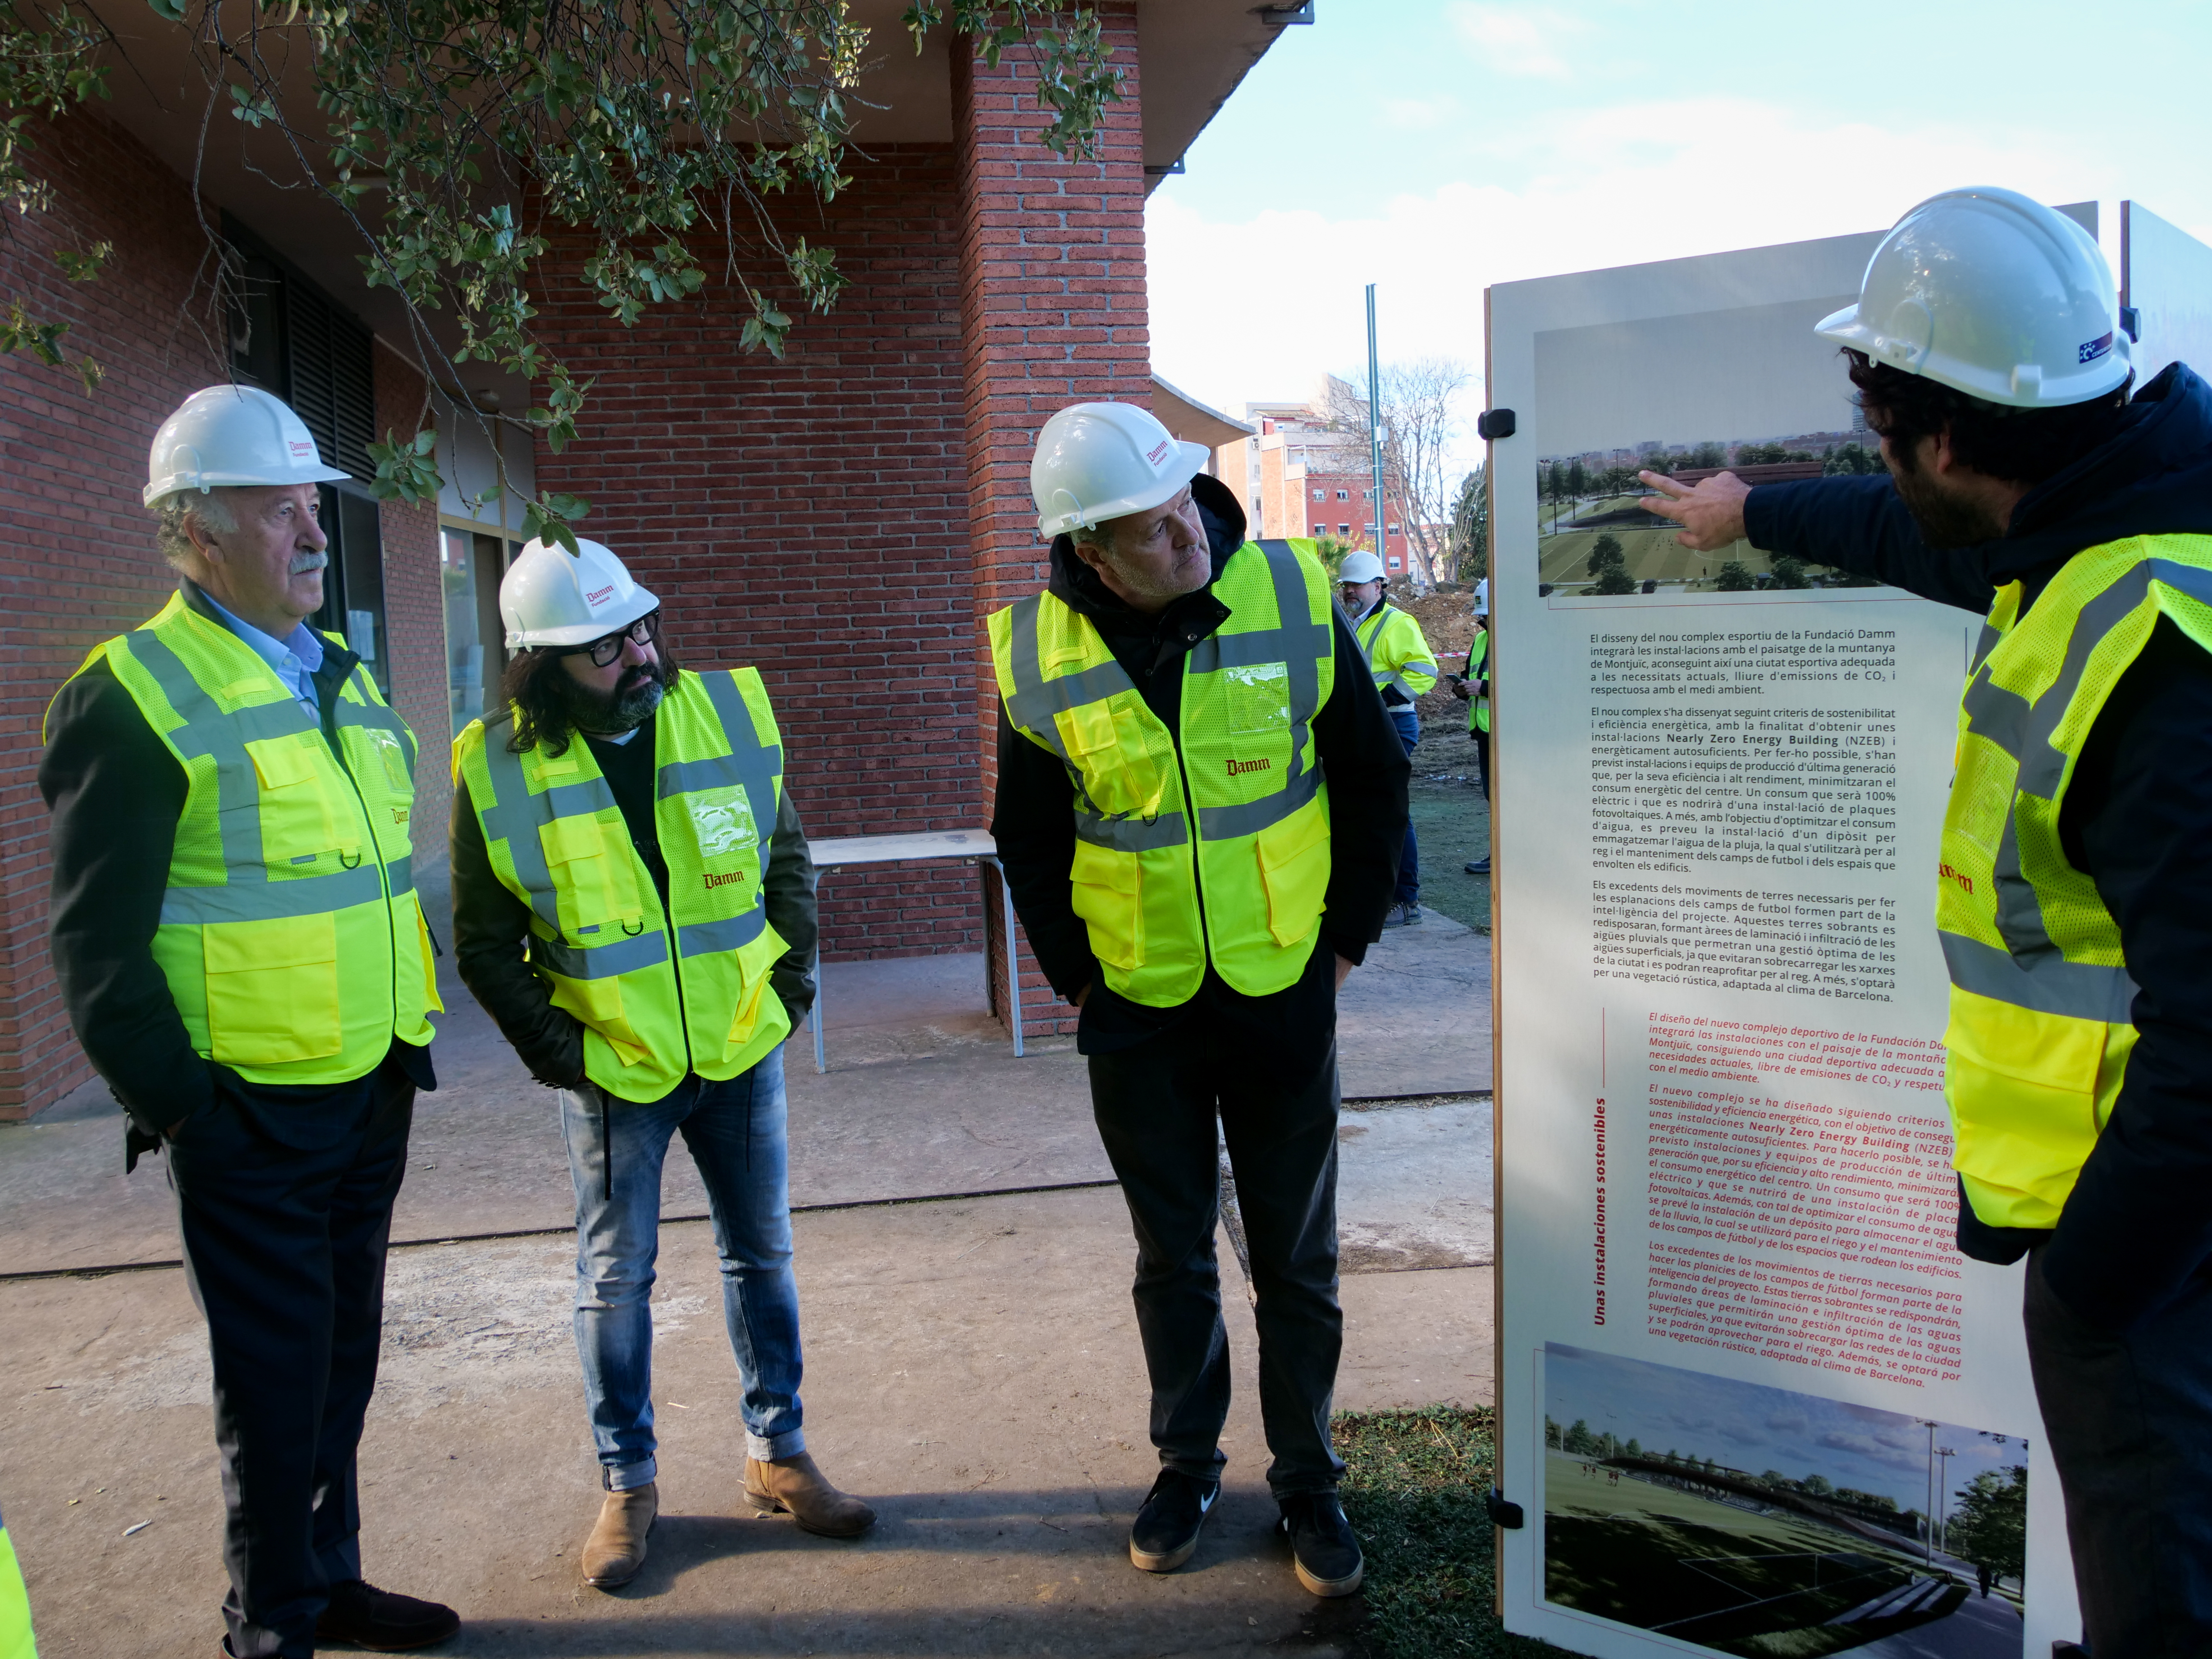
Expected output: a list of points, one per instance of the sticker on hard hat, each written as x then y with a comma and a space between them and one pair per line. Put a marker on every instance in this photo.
1159, 454
600, 598
2095, 349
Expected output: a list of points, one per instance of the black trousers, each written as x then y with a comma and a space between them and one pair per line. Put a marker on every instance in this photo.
1156, 1104
2129, 1420
285, 1208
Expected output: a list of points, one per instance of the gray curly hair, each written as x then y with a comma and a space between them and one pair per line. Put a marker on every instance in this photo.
170, 512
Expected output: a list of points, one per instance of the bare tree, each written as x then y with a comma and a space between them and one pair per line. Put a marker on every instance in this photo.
1418, 421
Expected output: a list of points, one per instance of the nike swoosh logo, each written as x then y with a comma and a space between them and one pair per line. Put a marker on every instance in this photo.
1207, 1502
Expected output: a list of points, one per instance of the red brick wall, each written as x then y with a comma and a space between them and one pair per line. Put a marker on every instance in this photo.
1052, 311
809, 517
415, 623
79, 564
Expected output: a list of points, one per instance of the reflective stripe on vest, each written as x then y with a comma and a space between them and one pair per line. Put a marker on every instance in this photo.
604, 944
2041, 1003
296, 963
1250, 691
1386, 619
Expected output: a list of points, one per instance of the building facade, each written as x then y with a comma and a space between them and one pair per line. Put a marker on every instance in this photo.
844, 518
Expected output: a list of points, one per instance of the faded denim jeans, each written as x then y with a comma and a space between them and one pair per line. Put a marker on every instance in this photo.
735, 1131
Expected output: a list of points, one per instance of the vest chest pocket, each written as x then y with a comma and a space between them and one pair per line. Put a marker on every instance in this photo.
272, 990
298, 828
1107, 893
591, 874
1106, 740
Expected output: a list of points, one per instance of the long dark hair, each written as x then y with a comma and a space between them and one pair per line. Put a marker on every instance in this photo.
539, 691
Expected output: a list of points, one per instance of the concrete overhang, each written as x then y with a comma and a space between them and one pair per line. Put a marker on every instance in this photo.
1195, 422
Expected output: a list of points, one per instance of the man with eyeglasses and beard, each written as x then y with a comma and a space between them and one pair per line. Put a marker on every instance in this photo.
634, 904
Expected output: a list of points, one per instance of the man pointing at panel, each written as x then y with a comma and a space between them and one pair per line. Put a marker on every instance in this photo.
2076, 911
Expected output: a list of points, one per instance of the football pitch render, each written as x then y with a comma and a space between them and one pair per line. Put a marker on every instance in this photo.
1736, 1579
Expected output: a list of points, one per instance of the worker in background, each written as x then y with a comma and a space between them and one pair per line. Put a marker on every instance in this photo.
243, 956
15, 1638
1169, 707
1404, 667
633, 906
2074, 900
1472, 686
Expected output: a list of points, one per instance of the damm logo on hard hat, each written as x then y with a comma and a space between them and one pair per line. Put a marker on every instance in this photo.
600, 596
1157, 455
300, 448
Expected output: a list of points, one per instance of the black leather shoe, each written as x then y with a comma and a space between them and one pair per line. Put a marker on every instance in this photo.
1478, 867
1167, 1528
382, 1622
1322, 1548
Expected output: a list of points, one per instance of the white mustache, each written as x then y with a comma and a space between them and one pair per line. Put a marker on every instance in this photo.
303, 562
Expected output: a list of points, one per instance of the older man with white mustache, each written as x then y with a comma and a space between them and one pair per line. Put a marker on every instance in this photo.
244, 958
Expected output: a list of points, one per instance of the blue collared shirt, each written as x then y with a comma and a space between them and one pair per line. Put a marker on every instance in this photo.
296, 657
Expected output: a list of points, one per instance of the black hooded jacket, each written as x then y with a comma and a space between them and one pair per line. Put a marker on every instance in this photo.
1360, 757
2138, 819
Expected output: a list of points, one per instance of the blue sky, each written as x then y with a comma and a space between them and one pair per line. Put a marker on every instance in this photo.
1745, 1425
1435, 146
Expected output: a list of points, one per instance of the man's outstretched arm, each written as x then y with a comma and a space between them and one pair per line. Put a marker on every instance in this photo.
1859, 524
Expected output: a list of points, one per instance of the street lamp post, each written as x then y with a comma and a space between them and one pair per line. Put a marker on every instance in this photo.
1943, 1488
1928, 1515
1375, 429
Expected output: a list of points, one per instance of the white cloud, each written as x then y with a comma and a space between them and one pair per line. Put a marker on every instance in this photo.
1527, 40
1254, 307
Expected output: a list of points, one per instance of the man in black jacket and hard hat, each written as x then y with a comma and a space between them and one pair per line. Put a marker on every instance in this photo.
2074, 905
1200, 801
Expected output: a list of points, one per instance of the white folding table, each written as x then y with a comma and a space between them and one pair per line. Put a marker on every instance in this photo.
939, 846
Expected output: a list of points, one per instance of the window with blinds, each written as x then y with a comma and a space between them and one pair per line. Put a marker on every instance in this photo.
288, 337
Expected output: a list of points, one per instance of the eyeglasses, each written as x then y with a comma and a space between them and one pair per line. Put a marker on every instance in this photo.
604, 651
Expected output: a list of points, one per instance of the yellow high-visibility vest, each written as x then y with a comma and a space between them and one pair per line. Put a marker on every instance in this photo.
1478, 707
2041, 1004
16, 1640
1235, 805
660, 990
291, 935
1395, 651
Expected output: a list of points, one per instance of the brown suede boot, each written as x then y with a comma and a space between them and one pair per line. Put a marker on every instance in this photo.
795, 1484
616, 1549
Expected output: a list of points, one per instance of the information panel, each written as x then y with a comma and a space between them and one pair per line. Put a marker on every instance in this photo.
1751, 1398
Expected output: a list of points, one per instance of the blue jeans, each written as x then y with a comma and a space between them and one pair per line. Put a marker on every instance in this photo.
1409, 856
735, 1130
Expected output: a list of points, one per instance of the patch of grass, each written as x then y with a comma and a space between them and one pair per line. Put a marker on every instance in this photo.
1413, 1490
1452, 820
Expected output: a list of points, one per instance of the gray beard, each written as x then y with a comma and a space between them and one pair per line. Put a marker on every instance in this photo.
609, 714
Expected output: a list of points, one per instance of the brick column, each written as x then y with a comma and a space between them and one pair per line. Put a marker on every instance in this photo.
1053, 312
415, 622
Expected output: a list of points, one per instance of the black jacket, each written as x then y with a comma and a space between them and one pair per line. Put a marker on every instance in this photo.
2138, 819
116, 794
491, 925
1359, 754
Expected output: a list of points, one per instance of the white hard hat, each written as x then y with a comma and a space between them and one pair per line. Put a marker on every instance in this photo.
549, 597
1993, 295
1482, 597
1099, 461
222, 437
1361, 566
